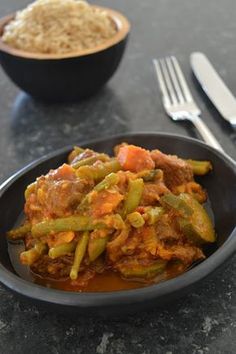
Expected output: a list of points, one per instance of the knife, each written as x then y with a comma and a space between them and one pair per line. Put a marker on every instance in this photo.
214, 87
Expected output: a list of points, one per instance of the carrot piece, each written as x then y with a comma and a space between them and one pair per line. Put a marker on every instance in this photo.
135, 158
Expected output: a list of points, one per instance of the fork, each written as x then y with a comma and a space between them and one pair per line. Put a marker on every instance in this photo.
177, 99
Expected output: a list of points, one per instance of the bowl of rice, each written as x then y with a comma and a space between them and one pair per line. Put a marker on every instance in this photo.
62, 50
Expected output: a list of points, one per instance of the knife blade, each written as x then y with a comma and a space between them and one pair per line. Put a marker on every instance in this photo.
214, 87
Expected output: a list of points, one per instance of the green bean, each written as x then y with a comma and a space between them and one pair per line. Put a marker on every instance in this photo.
200, 168
153, 214
78, 150
79, 255
109, 181
99, 171
150, 175
133, 196
32, 255
74, 153
106, 183
96, 247
136, 219
90, 160
62, 250
76, 223
20, 232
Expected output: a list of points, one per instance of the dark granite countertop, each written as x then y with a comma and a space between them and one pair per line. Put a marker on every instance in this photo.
203, 321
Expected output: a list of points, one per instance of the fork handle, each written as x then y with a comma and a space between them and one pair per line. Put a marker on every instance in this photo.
205, 132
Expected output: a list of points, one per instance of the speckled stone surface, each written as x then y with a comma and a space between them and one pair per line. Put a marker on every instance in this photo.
203, 321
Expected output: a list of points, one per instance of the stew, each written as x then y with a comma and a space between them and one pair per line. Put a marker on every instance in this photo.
101, 223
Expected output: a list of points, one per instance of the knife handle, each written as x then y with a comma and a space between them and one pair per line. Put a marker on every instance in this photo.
205, 132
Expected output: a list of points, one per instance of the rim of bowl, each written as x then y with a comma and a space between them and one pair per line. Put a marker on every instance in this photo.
121, 22
125, 297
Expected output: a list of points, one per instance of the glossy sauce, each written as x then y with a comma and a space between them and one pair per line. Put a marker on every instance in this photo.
107, 281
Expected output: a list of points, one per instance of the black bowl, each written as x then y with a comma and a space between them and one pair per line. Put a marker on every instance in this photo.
221, 187
68, 77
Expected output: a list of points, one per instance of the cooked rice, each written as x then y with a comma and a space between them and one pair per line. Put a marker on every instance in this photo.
58, 27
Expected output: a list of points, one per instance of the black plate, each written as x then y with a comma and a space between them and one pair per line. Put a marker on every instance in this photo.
221, 187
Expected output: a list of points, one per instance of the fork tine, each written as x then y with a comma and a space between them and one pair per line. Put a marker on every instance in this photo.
181, 78
168, 81
162, 84
174, 80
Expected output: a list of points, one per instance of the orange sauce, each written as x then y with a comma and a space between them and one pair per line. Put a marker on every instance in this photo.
107, 281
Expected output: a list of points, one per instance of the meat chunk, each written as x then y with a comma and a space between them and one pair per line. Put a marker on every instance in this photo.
56, 195
184, 253
152, 193
176, 171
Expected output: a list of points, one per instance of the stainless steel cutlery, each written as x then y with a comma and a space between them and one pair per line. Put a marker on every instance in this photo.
214, 87
177, 99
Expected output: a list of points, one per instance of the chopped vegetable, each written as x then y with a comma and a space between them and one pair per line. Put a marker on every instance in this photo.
109, 181
200, 168
198, 227
154, 214
90, 160
151, 175
19, 232
135, 158
99, 171
75, 223
32, 255
79, 255
136, 219
96, 247
76, 152
135, 269
62, 250
177, 203
133, 196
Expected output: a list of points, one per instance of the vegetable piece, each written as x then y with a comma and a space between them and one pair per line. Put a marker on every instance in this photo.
90, 160
19, 232
135, 158
99, 171
177, 203
136, 219
200, 168
76, 223
79, 255
96, 247
133, 196
154, 214
150, 175
77, 151
135, 269
32, 255
198, 227
106, 183
62, 250
109, 181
